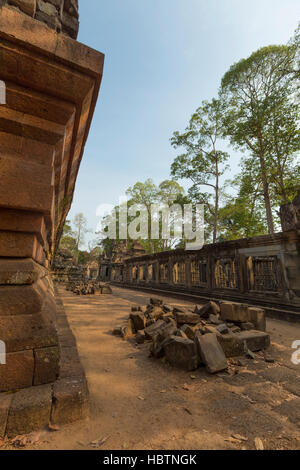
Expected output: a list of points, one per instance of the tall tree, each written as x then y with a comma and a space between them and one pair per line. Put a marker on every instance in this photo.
80, 230
203, 163
254, 91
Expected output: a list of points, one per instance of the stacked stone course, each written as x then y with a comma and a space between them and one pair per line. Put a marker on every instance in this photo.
61, 15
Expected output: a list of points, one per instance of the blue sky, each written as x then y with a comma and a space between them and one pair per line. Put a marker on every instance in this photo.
163, 57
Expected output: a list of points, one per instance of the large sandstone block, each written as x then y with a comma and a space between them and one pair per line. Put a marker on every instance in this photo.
231, 345
258, 318
19, 300
20, 332
139, 320
19, 272
181, 353
30, 410
152, 330
211, 353
255, 340
17, 372
70, 401
234, 312
46, 368
186, 317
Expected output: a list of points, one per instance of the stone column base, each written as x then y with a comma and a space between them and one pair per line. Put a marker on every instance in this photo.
63, 401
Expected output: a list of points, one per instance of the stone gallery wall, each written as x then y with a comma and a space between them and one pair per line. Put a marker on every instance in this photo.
43, 130
61, 15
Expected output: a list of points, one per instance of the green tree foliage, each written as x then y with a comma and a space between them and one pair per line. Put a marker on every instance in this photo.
203, 163
256, 93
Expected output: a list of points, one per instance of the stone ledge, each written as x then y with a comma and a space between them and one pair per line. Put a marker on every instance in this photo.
61, 402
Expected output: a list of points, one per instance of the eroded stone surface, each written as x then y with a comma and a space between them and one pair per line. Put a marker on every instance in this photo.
29, 410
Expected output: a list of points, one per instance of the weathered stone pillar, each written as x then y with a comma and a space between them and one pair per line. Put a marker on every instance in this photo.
51, 85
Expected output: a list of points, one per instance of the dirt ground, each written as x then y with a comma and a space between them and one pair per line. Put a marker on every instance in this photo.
137, 402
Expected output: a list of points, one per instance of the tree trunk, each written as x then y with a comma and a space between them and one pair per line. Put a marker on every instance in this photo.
269, 214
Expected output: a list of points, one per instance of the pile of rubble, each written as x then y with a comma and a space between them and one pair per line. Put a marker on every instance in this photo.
206, 335
89, 288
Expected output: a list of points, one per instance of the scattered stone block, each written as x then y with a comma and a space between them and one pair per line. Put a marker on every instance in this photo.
106, 290
211, 308
231, 345
181, 353
181, 334
189, 331
234, 312
215, 319
136, 308
255, 340
117, 331
139, 320
140, 337
223, 329
156, 313
156, 302
211, 353
247, 326
186, 318
154, 329
258, 318
167, 308
30, 410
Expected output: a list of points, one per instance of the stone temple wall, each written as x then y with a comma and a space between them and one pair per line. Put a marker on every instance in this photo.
49, 88
60, 15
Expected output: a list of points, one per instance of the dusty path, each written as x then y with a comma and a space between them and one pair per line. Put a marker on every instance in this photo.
142, 403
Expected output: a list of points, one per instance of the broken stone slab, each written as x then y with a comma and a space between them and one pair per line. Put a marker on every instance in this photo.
139, 320
153, 329
181, 334
247, 326
140, 337
215, 319
181, 353
211, 353
136, 308
258, 318
235, 329
231, 345
186, 318
223, 329
255, 340
30, 410
211, 308
128, 330
234, 312
156, 302
156, 313
179, 310
167, 308
157, 346
106, 290
117, 331
165, 332
189, 331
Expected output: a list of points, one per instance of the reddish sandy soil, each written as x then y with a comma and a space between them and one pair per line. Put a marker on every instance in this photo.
137, 402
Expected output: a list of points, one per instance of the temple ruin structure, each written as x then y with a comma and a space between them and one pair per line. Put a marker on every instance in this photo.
49, 89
